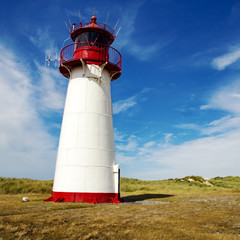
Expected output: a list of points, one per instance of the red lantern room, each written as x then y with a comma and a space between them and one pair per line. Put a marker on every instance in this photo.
91, 45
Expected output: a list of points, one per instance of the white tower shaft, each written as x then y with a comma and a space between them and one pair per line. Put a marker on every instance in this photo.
86, 159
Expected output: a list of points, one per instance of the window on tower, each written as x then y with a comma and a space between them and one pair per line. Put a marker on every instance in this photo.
81, 40
90, 39
101, 39
106, 40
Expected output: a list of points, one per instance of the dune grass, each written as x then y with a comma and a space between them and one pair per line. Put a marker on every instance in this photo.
226, 182
24, 185
189, 184
187, 208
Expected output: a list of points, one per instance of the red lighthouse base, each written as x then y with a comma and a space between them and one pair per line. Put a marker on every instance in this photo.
93, 198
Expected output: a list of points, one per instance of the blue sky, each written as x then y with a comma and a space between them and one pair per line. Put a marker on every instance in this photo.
176, 106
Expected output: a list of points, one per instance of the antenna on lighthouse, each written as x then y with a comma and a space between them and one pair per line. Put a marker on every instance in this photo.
48, 59
79, 15
107, 18
116, 24
118, 31
67, 27
56, 60
64, 42
69, 20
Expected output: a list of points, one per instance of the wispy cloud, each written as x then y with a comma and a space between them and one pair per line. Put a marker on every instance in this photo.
208, 157
27, 149
234, 15
189, 126
128, 21
227, 59
130, 145
146, 52
226, 98
43, 40
126, 37
222, 125
125, 104
51, 89
119, 137
149, 144
214, 151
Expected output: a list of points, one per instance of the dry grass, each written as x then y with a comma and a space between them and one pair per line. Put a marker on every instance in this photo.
24, 185
173, 213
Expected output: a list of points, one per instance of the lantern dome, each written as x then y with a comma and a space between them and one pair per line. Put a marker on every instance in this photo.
91, 45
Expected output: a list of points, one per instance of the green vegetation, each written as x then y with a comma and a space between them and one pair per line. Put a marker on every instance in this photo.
186, 208
226, 182
24, 185
189, 184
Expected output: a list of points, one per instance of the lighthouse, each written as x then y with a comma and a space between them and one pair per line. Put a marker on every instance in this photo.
85, 167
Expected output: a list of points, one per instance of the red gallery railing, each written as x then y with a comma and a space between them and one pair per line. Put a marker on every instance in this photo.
76, 26
95, 52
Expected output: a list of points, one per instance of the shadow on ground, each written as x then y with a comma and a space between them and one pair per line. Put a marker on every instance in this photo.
142, 197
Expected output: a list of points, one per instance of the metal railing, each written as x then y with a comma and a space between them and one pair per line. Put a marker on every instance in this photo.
90, 52
85, 24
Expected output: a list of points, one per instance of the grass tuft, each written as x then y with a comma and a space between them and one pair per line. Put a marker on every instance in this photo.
226, 182
24, 185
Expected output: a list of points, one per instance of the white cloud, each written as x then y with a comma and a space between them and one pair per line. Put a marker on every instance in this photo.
27, 149
129, 145
189, 126
227, 98
124, 105
126, 37
221, 125
203, 107
208, 157
118, 136
227, 59
149, 144
43, 40
123, 158
51, 89
127, 22
168, 137
214, 152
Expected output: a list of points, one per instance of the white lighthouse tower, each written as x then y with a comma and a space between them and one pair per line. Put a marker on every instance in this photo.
85, 168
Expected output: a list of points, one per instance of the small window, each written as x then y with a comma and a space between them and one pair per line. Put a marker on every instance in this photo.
91, 37
101, 39
81, 40
106, 40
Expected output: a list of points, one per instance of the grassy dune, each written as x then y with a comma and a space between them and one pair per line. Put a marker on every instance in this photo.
188, 208
188, 184
24, 185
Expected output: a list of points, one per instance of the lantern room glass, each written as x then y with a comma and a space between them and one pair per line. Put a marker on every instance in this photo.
90, 38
